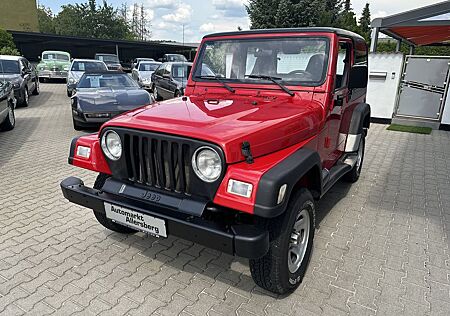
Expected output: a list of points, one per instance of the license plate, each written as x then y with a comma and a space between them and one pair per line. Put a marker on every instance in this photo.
145, 223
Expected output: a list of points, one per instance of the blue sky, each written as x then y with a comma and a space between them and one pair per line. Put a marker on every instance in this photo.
206, 16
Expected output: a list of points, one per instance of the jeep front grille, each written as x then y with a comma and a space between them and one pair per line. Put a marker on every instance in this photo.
157, 162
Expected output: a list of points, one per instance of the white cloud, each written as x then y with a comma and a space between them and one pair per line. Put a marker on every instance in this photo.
161, 4
182, 13
231, 8
207, 27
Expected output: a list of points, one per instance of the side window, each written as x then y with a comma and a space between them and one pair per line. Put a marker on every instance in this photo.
166, 70
343, 65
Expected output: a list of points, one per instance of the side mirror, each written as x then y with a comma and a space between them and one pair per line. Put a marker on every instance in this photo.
358, 77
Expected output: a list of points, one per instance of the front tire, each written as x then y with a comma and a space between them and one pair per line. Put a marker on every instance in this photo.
282, 269
10, 120
156, 94
101, 217
36, 90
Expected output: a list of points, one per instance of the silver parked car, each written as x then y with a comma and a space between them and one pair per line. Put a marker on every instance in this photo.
78, 68
143, 73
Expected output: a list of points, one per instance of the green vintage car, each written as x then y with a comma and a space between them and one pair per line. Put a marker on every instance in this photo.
53, 65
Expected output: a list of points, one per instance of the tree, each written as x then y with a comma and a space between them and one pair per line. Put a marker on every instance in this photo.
364, 22
92, 20
7, 46
283, 13
45, 19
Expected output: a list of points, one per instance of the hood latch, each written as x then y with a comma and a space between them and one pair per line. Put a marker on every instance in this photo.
246, 152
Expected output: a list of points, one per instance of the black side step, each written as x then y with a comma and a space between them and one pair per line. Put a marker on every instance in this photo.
335, 173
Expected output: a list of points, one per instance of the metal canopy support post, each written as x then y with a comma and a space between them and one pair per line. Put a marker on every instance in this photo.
374, 39
117, 50
412, 50
399, 45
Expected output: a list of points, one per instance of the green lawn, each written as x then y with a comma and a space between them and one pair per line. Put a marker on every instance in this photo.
409, 129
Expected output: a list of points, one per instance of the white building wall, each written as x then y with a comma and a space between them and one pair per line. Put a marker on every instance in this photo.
384, 77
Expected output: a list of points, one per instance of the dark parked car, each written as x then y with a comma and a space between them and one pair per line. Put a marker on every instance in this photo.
100, 96
22, 76
7, 103
172, 58
111, 61
169, 80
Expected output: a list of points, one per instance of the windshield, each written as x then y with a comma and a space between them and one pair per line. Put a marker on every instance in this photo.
108, 58
106, 81
10, 66
55, 56
293, 60
88, 66
181, 71
173, 58
147, 67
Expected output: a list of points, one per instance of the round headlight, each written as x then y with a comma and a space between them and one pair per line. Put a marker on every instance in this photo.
207, 164
112, 145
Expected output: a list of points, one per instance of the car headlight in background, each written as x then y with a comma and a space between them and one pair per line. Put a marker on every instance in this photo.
66, 68
16, 85
207, 164
72, 80
112, 145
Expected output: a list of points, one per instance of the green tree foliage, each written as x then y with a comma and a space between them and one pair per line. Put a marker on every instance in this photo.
283, 13
45, 19
7, 46
92, 20
389, 47
300, 13
364, 22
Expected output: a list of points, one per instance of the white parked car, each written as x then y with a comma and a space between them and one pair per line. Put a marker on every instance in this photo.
143, 73
78, 68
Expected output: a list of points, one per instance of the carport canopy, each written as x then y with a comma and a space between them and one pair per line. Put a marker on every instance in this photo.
426, 26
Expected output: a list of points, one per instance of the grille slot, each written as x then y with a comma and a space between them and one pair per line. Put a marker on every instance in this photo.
158, 162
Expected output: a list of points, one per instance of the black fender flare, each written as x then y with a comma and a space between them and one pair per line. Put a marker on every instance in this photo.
360, 119
289, 171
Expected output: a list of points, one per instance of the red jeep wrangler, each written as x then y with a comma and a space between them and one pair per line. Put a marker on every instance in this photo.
270, 121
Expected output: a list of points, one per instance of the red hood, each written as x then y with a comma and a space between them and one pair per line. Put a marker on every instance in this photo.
267, 123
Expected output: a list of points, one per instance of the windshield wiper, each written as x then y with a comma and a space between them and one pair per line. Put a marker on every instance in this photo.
217, 78
274, 80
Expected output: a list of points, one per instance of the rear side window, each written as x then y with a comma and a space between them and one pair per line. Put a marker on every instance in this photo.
88, 66
361, 53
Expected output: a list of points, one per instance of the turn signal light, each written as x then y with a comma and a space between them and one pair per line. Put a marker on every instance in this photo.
240, 188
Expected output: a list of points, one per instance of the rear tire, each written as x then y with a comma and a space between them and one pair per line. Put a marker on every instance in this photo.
10, 120
101, 217
353, 175
25, 100
282, 269
69, 94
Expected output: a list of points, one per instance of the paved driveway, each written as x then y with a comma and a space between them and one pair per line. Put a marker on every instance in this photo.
381, 246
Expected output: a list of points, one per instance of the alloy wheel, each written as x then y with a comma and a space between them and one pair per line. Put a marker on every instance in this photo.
299, 240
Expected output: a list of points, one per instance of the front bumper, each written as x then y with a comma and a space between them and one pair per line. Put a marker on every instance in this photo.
53, 74
242, 240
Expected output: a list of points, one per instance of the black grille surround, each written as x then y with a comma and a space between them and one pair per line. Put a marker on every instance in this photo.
162, 162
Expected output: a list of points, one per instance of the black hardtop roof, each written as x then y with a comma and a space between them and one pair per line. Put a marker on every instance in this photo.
340, 32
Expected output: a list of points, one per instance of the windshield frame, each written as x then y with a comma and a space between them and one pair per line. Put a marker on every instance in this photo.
199, 60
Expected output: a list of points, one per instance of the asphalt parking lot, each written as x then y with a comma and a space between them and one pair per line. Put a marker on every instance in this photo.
381, 246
